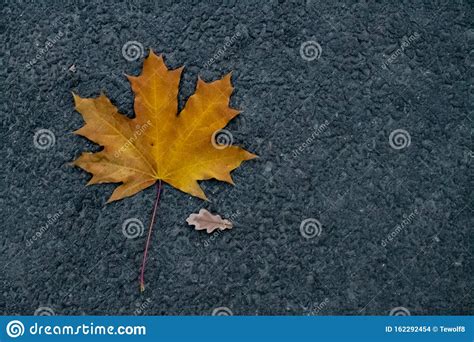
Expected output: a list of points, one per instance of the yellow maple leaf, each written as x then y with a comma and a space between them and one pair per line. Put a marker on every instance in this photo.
159, 144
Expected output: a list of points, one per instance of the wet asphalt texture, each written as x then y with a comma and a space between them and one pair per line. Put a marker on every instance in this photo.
360, 202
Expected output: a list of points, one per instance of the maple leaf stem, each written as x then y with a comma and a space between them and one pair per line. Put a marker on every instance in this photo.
150, 229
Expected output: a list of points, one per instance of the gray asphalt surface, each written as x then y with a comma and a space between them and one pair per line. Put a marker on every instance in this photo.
390, 210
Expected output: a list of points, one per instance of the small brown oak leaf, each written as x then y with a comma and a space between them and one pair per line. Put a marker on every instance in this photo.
204, 220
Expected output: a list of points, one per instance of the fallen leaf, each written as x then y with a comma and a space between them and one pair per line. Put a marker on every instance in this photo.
205, 220
158, 144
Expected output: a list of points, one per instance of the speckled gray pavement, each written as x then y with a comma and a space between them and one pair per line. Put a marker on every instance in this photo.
359, 203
